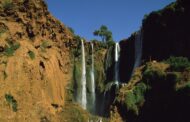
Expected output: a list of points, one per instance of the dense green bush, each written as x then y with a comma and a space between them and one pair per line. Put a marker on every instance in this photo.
178, 63
10, 99
45, 44
135, 97
9, 50
151, 74
130, 102
31, 54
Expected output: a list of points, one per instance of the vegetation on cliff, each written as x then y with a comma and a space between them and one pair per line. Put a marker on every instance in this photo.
40, 59
156, 89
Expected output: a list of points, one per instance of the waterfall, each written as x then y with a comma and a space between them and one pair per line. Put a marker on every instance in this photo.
138, 49
92, 78
83, 78
117, 55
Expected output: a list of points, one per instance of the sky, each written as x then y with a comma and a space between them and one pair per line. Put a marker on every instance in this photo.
122, 17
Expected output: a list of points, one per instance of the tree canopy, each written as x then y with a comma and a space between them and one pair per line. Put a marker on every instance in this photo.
104, 33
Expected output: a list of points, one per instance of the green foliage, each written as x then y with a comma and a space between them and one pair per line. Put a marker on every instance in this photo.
104, 33
9, 51
135, 97
178, 63
31, 54
153, 72
77, 38
110, 43
10, 99
139, 91
45, 44
130, 102
7, 4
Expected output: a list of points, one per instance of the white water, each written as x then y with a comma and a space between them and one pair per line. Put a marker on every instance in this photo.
92, 78
138, 49
83, 78
117, 55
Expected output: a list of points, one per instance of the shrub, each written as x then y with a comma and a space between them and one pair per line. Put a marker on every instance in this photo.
45, 44
139, 92
135, 97
151, 74
31, 54
7, 4
10, 99
178, 63
9, 51
130, 101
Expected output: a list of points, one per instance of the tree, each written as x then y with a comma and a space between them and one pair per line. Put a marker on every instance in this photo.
104, 34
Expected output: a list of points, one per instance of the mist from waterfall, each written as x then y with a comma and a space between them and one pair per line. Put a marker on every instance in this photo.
117, 55
93, 94
83, 79
138, 49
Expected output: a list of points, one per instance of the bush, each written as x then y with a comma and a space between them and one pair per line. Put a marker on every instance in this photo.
178, 63
45, 44
135, 97
9, 51
139, 92
7, 4
151, 74
10, 99
130, 102
31, 54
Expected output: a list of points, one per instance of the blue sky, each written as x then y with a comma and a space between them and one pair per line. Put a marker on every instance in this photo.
122, 17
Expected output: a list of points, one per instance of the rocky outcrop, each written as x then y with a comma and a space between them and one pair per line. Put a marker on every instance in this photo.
165, 32
35, 62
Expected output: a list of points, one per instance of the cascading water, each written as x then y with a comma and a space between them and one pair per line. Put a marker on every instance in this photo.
93, 94
117, 55
138, 49
83, 79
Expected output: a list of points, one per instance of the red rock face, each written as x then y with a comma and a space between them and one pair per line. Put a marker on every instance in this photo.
37, 79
